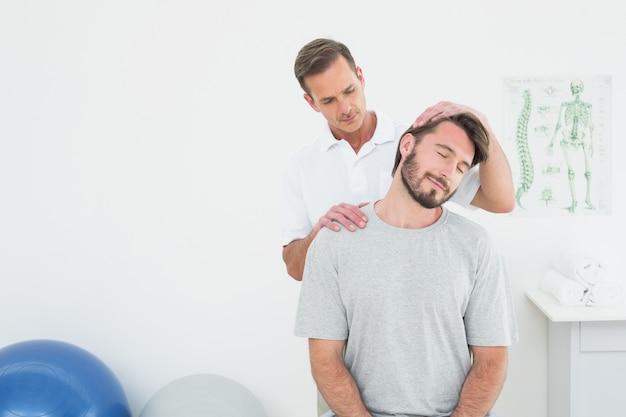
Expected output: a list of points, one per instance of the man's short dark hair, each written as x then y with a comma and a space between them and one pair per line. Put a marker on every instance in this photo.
316, 56
470, 124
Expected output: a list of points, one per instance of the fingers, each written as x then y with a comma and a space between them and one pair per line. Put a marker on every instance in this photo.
346, 215
432, 113
441, 109
325, 221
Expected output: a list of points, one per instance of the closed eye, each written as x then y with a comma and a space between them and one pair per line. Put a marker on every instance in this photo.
461, 167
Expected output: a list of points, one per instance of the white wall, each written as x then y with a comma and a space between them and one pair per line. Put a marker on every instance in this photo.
141, 149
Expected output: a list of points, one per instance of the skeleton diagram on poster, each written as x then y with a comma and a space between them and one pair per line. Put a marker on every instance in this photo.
558, 141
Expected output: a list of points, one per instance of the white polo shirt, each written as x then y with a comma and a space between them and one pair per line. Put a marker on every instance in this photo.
328, 172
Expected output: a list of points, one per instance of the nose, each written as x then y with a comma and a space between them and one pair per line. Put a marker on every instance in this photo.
344, 105
448, 169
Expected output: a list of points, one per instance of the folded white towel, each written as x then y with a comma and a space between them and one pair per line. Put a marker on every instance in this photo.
567, 291
607, 292
583, 268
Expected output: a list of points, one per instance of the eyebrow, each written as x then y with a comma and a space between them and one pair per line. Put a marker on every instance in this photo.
449, 149
345, 90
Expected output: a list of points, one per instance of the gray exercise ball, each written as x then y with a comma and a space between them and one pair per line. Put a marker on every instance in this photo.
203, 395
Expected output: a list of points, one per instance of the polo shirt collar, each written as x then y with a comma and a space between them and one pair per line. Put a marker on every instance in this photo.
385, 132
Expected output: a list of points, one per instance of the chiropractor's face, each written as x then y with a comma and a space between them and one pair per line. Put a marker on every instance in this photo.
338, 94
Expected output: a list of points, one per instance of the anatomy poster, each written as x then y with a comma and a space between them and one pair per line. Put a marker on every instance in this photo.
558, 141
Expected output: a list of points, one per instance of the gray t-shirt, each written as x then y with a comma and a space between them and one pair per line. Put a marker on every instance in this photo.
408, 302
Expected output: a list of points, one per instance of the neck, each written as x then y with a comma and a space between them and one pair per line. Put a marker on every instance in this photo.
403, 211
360, 136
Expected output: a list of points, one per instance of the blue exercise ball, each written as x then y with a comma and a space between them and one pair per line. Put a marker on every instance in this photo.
203, 395
48, 378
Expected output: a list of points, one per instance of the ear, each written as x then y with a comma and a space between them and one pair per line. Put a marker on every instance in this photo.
311, 102
407, 142
359, 75
405, 147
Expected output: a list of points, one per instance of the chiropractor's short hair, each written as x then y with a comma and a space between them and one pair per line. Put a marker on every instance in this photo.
316, 56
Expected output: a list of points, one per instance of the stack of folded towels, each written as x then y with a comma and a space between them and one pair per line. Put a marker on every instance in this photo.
579, 280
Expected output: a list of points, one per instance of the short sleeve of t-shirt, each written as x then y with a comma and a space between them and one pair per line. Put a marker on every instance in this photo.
490, 316
321, 313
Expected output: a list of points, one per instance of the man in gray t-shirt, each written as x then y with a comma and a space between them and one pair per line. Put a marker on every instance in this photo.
412, 315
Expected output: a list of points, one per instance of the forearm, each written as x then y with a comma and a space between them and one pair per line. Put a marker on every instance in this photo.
339, 389
482, 387
497, 192
294, 255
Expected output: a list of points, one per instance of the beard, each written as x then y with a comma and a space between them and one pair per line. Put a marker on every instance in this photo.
413, 183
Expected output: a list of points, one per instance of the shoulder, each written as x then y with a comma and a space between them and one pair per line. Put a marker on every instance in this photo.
336, 242
387, 127
471, 238
322, 140
304, 156
325, 244
305, 150
467, 227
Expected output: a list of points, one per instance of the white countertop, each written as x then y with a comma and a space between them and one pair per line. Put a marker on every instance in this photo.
555, 311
